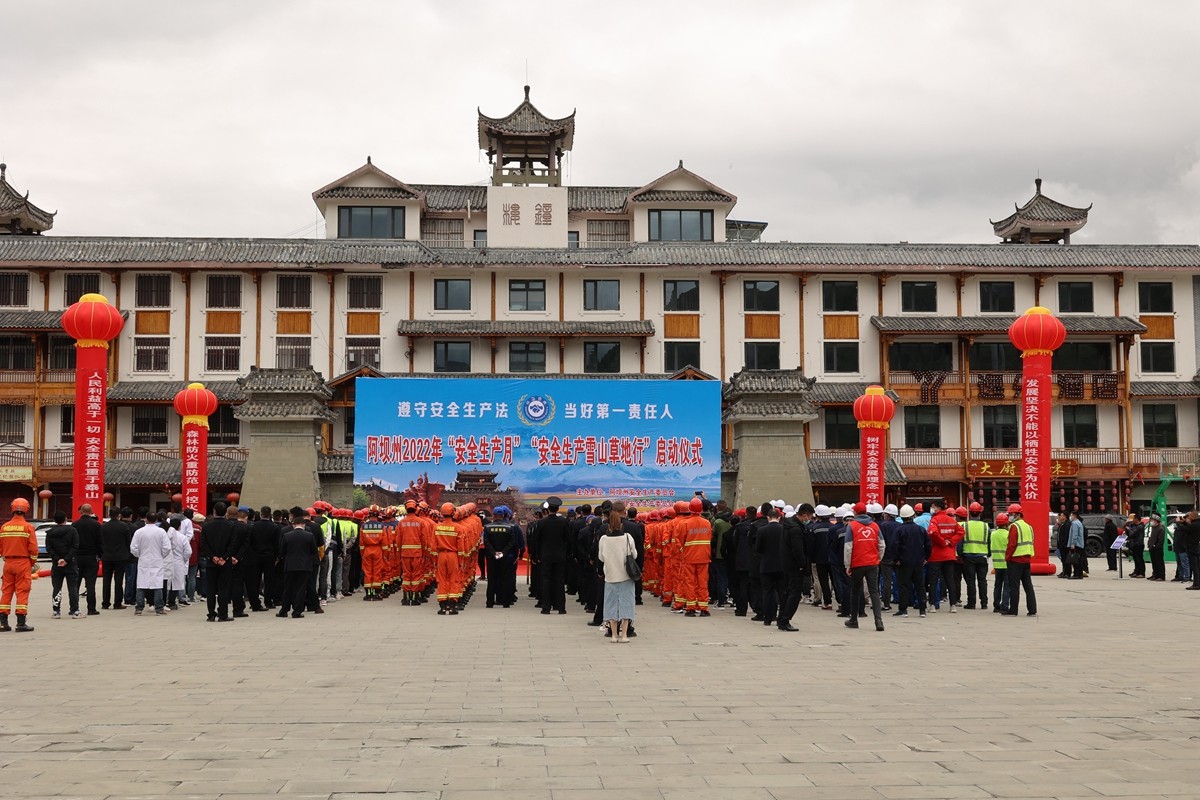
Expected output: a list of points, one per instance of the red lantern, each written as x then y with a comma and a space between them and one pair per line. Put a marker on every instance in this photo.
874, 411
45, 494
108, 497
177, 498
233, 497
1037, 332
93, 321
195, 404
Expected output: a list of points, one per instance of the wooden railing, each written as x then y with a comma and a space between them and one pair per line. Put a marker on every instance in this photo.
33, 376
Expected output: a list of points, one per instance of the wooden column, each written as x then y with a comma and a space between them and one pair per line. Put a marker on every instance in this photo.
330, 332
562, 308
256, 276
493, 318
803, 278
186, 277
960, 281
722, 277
1125, 346
562, 353
965, 350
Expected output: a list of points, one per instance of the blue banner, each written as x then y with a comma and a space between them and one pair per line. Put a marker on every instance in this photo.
647, 441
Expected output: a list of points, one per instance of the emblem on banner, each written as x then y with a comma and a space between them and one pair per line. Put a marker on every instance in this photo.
536, 409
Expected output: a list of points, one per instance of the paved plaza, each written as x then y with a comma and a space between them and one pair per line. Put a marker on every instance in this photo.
1095, 698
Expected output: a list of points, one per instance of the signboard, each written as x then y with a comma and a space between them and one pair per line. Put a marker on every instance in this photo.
1010, 468
16, 473
527, 216
651, 442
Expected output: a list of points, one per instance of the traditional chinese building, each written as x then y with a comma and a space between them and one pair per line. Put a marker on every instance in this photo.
524, 274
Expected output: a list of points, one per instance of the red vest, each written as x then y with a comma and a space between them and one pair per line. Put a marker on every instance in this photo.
865, 543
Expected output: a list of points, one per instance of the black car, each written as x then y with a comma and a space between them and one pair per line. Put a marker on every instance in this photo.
1093, 524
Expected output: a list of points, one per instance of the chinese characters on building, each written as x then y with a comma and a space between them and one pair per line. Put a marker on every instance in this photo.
93, 436
1031, 439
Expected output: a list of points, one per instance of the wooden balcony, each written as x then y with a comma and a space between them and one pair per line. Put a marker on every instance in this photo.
927, 387
27, 384
935, 387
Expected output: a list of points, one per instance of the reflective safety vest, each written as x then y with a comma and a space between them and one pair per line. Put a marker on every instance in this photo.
976, 541
1024, 539
999, 547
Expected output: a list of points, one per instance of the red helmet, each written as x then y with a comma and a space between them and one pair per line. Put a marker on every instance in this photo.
655, 516
961, 511
19, 505
312, 512
976, 508
696, 505
1015, 508
373, 509
682, 507
410, 505
1002, 518
919, 508
860, 508
669, 512
447, 509
361, 514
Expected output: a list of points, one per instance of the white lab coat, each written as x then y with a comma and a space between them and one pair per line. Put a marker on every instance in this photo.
181, 552
151, 546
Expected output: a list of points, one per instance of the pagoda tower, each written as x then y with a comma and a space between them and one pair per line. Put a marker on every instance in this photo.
18, 216
1041, 221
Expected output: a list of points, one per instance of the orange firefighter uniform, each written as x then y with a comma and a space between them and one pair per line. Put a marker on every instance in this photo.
695, 555
19, 547
370, 545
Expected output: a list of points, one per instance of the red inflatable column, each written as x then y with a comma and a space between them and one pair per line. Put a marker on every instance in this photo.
1037, 334
195, 404
874, 411
92, 322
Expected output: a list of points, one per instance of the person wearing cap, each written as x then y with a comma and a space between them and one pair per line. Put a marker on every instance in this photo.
795, 563
975, 551
909, 557
1135, 541
62, 541
554, 536
863, 551
944, 536
501, 544
923, 517
771, 544
410, 532
1019, 556
297, 552
718, 570
837, 563
1156, 539
745, 565
885, 518
998, 544
816, 547
1063, 537
695, 553
1179, 531
370, 540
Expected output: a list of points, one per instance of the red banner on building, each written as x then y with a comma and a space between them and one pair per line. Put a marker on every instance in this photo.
195, 404
874, 411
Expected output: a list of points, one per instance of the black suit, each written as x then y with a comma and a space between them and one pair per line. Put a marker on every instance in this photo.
115, 537
771, 546
91, 544
217, 543
298, 551
554, 540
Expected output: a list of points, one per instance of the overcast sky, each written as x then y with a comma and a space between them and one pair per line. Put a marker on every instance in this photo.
831, 121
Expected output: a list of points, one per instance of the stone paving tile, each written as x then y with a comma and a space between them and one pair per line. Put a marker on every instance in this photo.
381, 701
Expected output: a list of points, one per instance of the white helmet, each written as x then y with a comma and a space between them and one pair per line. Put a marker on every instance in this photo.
906, 511
789, 511
874, 508
778, 503
841, 512
823, 511
890, 510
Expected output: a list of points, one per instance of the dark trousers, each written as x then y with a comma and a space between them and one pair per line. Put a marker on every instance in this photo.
869, 575
793, 588
131, 582
252, 581
974, 570
885, 584
89, 567
1137, 553
945, 571
554, 595
823, 580
1000, 592
502, 585
1019, 577
1194, 566
313, 601
718, 582
910, 580
114, 572
1111, 555
741, 592
841, 586
273, 584
598, 588
294, 592
70, 575
216, 589
483, 564
774, 595
1158, 566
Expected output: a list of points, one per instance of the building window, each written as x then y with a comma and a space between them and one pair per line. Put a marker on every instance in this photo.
677, 355
527, 295
1075, 297
1160, 427
841, 357
918, 296
451, 356
1079, 427
62, 353
224, 427
604, 357
681, 226
526, 356
602, 295
479, 238
1158, 356
839, 296
921, 356
994, 357
841, 428
17, 353
151, 353
150, 425
442, 232
762, 355
152, 291
222, 353
293, 291
12, 424
77, 284
364, 292
1000, 427
922, 427
293, 352
66, 424
760, 296
572, 240
999, 297
1156, 297
681, 295
452, 294
14, 289
224, 291
362, 352
348, 426
366, 222
607, 231
1082, 357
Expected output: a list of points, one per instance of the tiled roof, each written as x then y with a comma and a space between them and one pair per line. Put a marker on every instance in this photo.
730, 461
1164, 388
769, 409
31, 320
679, 196
307, 408
14, 204
442, 197
422, 327
1039, 211
335, 463
284, 381
23, 251
824, 392
366, 193
608, 376
598, 198
125, 472
525, 120
936, 324
165, 391
846, 471
772, 381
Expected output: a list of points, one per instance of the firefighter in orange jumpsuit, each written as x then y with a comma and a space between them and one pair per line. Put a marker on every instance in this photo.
678, 529
428, 554
19, 547
667, 539
411, 535
446, 535
694, 559
370, 545
652, 571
